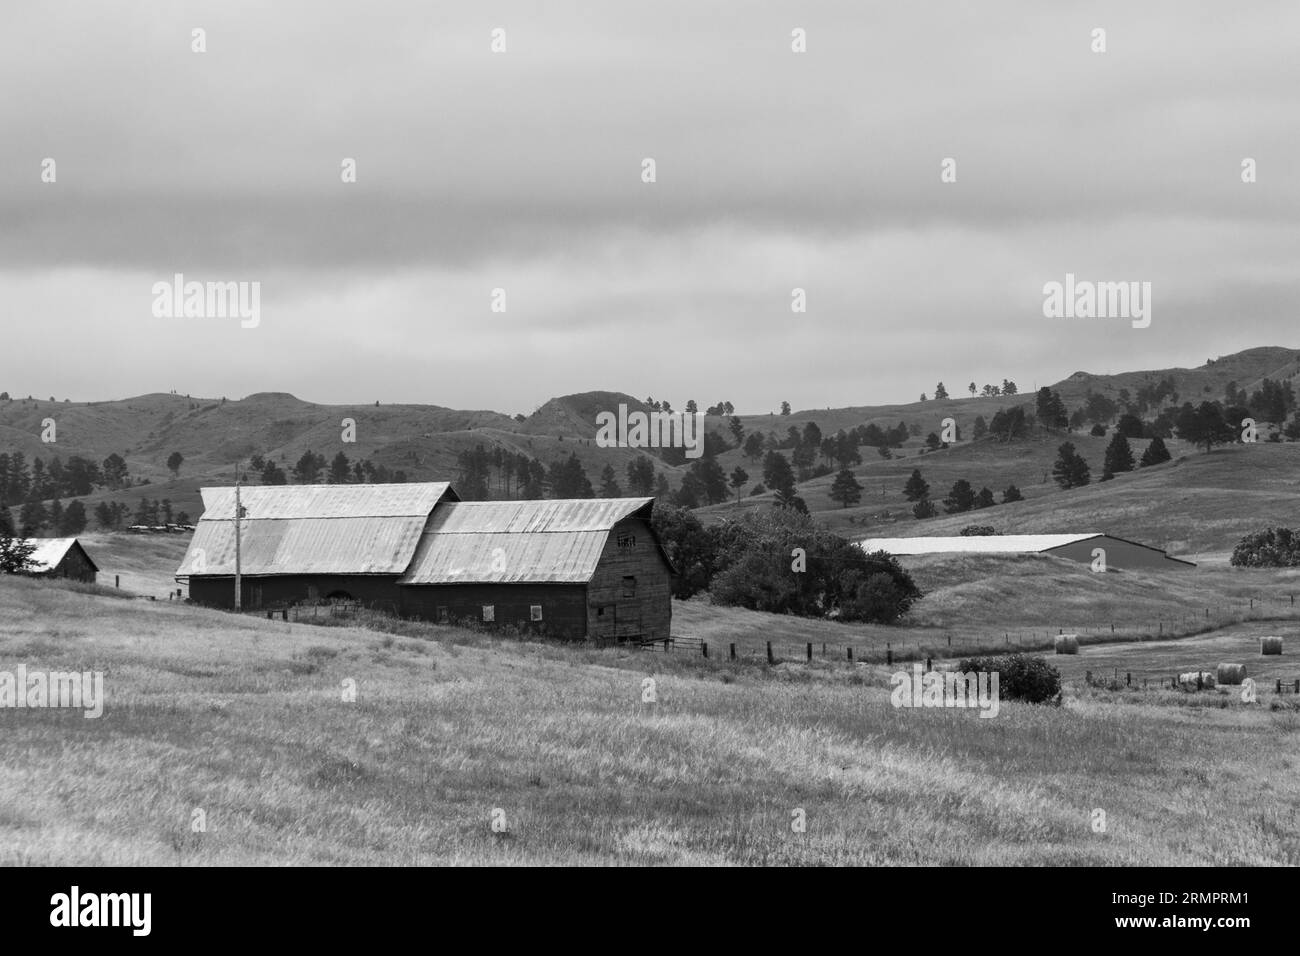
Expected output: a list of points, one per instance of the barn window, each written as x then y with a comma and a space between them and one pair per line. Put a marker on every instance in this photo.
489, 613
629, 586
443, 616
535, 612
626, 542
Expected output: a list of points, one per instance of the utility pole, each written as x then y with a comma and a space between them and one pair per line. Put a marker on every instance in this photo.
239, 513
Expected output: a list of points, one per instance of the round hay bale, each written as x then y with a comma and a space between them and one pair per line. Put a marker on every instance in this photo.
1270, 645
1067, 643
1231, 673
1187, 681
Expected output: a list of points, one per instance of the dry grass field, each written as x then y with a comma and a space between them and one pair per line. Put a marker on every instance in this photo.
244, 719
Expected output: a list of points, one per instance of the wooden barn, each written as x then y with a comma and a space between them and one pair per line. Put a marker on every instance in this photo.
62, 558
1120, 554
589, 568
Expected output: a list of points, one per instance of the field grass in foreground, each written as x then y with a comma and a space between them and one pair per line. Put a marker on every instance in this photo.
243, 719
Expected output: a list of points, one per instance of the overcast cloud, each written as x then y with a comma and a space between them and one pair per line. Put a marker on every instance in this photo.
522, 170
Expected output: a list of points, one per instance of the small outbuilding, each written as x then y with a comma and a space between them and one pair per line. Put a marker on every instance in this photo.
62, 558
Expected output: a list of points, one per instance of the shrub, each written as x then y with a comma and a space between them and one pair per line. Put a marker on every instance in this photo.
978, 530
1030, 679
1270, 548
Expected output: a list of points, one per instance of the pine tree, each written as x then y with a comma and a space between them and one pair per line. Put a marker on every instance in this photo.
846, 489
1155, 454
1012, 494
1119, 457
924, 508
916, 488
608, 485
985, 499
960, 498
1070, 470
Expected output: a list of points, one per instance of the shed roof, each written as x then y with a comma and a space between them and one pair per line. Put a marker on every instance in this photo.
499, 542
50, 552
976, 544
313, 529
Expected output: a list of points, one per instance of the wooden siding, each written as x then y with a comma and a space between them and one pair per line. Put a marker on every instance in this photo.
377, 590
631, 551
563, 606
74, 566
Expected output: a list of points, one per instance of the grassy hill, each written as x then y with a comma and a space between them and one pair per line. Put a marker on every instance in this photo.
1200, 506
243, 719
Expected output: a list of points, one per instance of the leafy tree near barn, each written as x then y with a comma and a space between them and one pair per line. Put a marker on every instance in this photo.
846, 489
1119, 457
916, 487
15, 555
1270, 548
1070, 470
1155, 454
712, 479
689, 547
754, 555
6, 520
174, 462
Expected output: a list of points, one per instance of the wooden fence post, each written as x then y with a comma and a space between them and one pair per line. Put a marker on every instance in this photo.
770, 660
928, 666
1128, 679
733, 652
889, 653
704, 646
810, 652
850, 654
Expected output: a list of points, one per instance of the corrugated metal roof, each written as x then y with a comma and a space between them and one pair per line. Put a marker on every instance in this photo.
975, 544
507, 557
326, 501
588, 514
49, 552
305, 546
496, 542
313, 529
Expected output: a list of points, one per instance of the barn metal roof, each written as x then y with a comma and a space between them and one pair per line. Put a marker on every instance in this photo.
976, 544
313, 529
326, 501
50, 552
305, 546
499, 542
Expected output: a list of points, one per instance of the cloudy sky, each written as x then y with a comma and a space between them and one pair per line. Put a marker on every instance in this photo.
522, 170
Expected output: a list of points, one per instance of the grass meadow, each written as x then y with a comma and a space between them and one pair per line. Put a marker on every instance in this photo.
244, 719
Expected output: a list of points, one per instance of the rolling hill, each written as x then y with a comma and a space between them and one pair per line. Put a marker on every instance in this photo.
1198, 504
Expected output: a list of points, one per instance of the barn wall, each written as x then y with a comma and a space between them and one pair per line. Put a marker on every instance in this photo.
630, 552
1119, 554
563, 605
74, 566
376, 590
